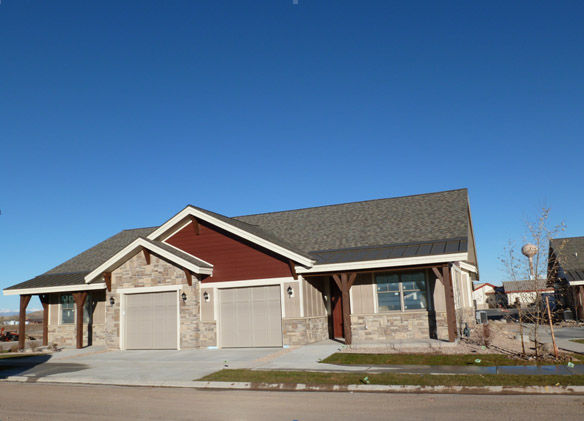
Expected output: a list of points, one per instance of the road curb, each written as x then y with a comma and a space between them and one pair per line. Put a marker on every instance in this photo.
354, 388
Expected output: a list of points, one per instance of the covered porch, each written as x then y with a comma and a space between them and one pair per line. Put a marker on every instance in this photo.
392, 304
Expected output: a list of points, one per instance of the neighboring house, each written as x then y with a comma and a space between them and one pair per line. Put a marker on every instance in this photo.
366, 272
525, 292
482, 293
566, 270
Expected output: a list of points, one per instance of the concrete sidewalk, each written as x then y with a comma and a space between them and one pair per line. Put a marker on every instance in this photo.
159, 367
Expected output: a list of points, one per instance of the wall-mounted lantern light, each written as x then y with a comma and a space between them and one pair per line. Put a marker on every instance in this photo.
184, 297
112, 301
206, 296
290, 292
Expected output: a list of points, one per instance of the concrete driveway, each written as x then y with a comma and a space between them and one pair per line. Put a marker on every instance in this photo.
159, 366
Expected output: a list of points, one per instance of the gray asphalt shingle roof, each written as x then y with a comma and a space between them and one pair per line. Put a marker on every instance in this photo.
570, 253
401, 220
425, 224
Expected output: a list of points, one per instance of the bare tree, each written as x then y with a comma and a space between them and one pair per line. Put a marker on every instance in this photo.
531, 306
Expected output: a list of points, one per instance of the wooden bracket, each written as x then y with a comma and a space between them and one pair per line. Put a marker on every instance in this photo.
437, 273
189, 276
146, 255
292, 269
107, 277
337, 280
195, 224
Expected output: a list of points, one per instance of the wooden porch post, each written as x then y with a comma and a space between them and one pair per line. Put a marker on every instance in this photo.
24, 300
450, 310
79, 298
446, 280
45, 302
344, 281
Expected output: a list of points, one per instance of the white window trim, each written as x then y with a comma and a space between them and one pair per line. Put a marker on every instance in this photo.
429, 299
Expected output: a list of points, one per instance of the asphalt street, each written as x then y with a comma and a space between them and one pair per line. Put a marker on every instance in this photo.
29, 401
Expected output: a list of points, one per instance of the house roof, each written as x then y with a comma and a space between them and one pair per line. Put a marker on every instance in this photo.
419, 225
479, 286
52, 280
525, 285
570, 255
401, 220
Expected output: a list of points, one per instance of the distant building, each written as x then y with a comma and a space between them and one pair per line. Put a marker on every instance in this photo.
525, 292
482, 293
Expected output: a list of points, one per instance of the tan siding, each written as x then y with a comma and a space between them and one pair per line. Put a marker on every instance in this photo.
54, 309
314, 304
99, 313
207, 307
362, 295
292, 304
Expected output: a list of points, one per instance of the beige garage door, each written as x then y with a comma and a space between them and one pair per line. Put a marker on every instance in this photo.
251, 317
151, 321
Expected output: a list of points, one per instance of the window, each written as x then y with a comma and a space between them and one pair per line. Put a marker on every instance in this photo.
401, 291
67, 309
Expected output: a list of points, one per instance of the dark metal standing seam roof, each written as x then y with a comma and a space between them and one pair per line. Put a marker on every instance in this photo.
420, 225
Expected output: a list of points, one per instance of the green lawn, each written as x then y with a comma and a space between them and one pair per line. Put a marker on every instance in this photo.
580, 341
312, 378
426, 359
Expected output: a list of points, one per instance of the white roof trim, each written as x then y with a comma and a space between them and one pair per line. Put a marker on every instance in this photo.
372, 264
140, 242
48, 290
468, 267
188, 211
576, 283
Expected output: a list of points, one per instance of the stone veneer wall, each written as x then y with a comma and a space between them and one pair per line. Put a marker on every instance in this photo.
305, 330
66, 335
135, 273
387, 327
208, 334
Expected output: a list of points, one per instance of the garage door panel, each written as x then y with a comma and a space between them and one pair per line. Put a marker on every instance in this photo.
151, 320
251, 317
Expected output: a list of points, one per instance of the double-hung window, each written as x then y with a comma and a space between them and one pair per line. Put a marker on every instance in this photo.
402, 291
67, 309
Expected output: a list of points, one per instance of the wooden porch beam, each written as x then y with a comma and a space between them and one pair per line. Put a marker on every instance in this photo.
189, 276
24, 300
437, 273
79, 298
45, 302
195, 224
146, 255
292, 269
107, 277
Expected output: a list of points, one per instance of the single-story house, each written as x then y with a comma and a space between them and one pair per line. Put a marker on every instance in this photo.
566, 270
481, 294
362, 272
525, 292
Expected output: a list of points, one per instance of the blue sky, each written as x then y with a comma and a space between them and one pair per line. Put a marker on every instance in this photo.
115, 117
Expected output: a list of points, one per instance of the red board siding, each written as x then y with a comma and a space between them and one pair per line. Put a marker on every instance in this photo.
233, 258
